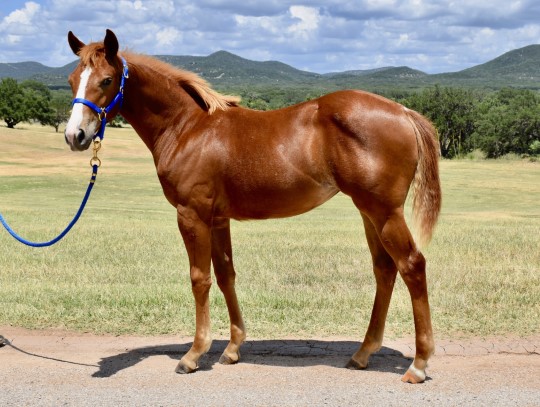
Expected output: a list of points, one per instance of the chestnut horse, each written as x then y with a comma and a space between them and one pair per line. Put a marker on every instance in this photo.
218, 161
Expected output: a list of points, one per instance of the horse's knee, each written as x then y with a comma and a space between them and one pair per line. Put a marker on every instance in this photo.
200, 282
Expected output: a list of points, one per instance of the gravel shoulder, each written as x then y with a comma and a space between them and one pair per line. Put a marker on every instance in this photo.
51, 368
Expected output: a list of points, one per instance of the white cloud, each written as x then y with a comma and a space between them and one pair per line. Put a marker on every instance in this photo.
13, 39
251, 23
309, 21
138, 5
403, 39
168, 37
20, 20
320, 35
23, 16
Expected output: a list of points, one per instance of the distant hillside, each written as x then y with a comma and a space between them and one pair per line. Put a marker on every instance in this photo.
224, 68
385, 72
56, 78
517, 68
523, 63
403, 77
22, 70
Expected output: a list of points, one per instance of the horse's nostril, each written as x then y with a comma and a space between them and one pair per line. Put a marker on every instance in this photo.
80, 136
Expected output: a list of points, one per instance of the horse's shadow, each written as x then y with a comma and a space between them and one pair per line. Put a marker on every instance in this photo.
287, 353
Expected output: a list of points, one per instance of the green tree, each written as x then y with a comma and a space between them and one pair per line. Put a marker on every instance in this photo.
61, 107
13, 109
37, 101
117, 122
452, 110
508, 122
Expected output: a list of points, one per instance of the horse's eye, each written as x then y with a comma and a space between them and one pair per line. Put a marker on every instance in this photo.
106, 82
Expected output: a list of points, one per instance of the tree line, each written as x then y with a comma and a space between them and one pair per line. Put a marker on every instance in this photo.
32, 101
496, 123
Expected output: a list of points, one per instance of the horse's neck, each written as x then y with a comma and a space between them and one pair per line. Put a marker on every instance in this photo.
153, 104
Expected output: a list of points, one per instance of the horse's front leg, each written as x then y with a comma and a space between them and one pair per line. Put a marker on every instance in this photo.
197, 237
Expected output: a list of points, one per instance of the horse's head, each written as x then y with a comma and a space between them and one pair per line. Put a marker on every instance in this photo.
97, 80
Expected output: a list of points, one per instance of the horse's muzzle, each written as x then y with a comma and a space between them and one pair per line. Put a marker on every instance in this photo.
78, 141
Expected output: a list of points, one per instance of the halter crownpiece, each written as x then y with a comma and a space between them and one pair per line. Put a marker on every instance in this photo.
103, 111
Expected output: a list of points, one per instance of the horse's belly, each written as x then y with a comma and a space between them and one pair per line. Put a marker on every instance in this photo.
266, 201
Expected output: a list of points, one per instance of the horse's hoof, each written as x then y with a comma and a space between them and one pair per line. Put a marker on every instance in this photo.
354, 365
227, 360
414, 376
183, 368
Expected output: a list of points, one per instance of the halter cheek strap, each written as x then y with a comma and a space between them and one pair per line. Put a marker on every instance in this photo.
103, 111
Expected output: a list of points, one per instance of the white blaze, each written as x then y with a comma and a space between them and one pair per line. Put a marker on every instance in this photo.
76, 118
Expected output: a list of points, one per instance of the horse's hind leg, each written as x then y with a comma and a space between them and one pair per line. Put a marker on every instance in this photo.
225, 275
385, 271
398, 242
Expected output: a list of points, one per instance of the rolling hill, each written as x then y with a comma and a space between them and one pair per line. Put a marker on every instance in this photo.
23, 70
225, 68
517, 68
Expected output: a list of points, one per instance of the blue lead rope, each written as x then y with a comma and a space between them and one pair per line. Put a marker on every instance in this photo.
94, 162
68, 228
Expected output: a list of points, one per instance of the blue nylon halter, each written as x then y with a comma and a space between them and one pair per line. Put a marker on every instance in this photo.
102, 115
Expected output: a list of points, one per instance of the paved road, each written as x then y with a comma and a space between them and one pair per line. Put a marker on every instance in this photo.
49, 368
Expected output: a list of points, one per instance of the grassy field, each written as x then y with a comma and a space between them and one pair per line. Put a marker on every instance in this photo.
123, 268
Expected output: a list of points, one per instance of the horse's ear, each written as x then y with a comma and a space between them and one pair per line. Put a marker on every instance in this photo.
111, 44
75, 44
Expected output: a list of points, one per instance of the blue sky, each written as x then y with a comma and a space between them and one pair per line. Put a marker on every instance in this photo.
317, 35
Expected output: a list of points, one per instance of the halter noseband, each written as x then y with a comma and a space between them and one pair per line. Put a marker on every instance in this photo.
103, 111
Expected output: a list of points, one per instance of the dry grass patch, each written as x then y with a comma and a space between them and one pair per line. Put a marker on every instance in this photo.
123, 268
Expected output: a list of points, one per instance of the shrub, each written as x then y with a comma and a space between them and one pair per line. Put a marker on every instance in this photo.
534, 148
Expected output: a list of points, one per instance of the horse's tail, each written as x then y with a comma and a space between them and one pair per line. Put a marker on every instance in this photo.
426, 191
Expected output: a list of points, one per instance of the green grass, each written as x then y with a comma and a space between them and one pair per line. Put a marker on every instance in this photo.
123, 268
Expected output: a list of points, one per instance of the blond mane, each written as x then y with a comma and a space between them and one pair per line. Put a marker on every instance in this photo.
190, 81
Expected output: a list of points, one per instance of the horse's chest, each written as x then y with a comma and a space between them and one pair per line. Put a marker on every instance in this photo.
183, 178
